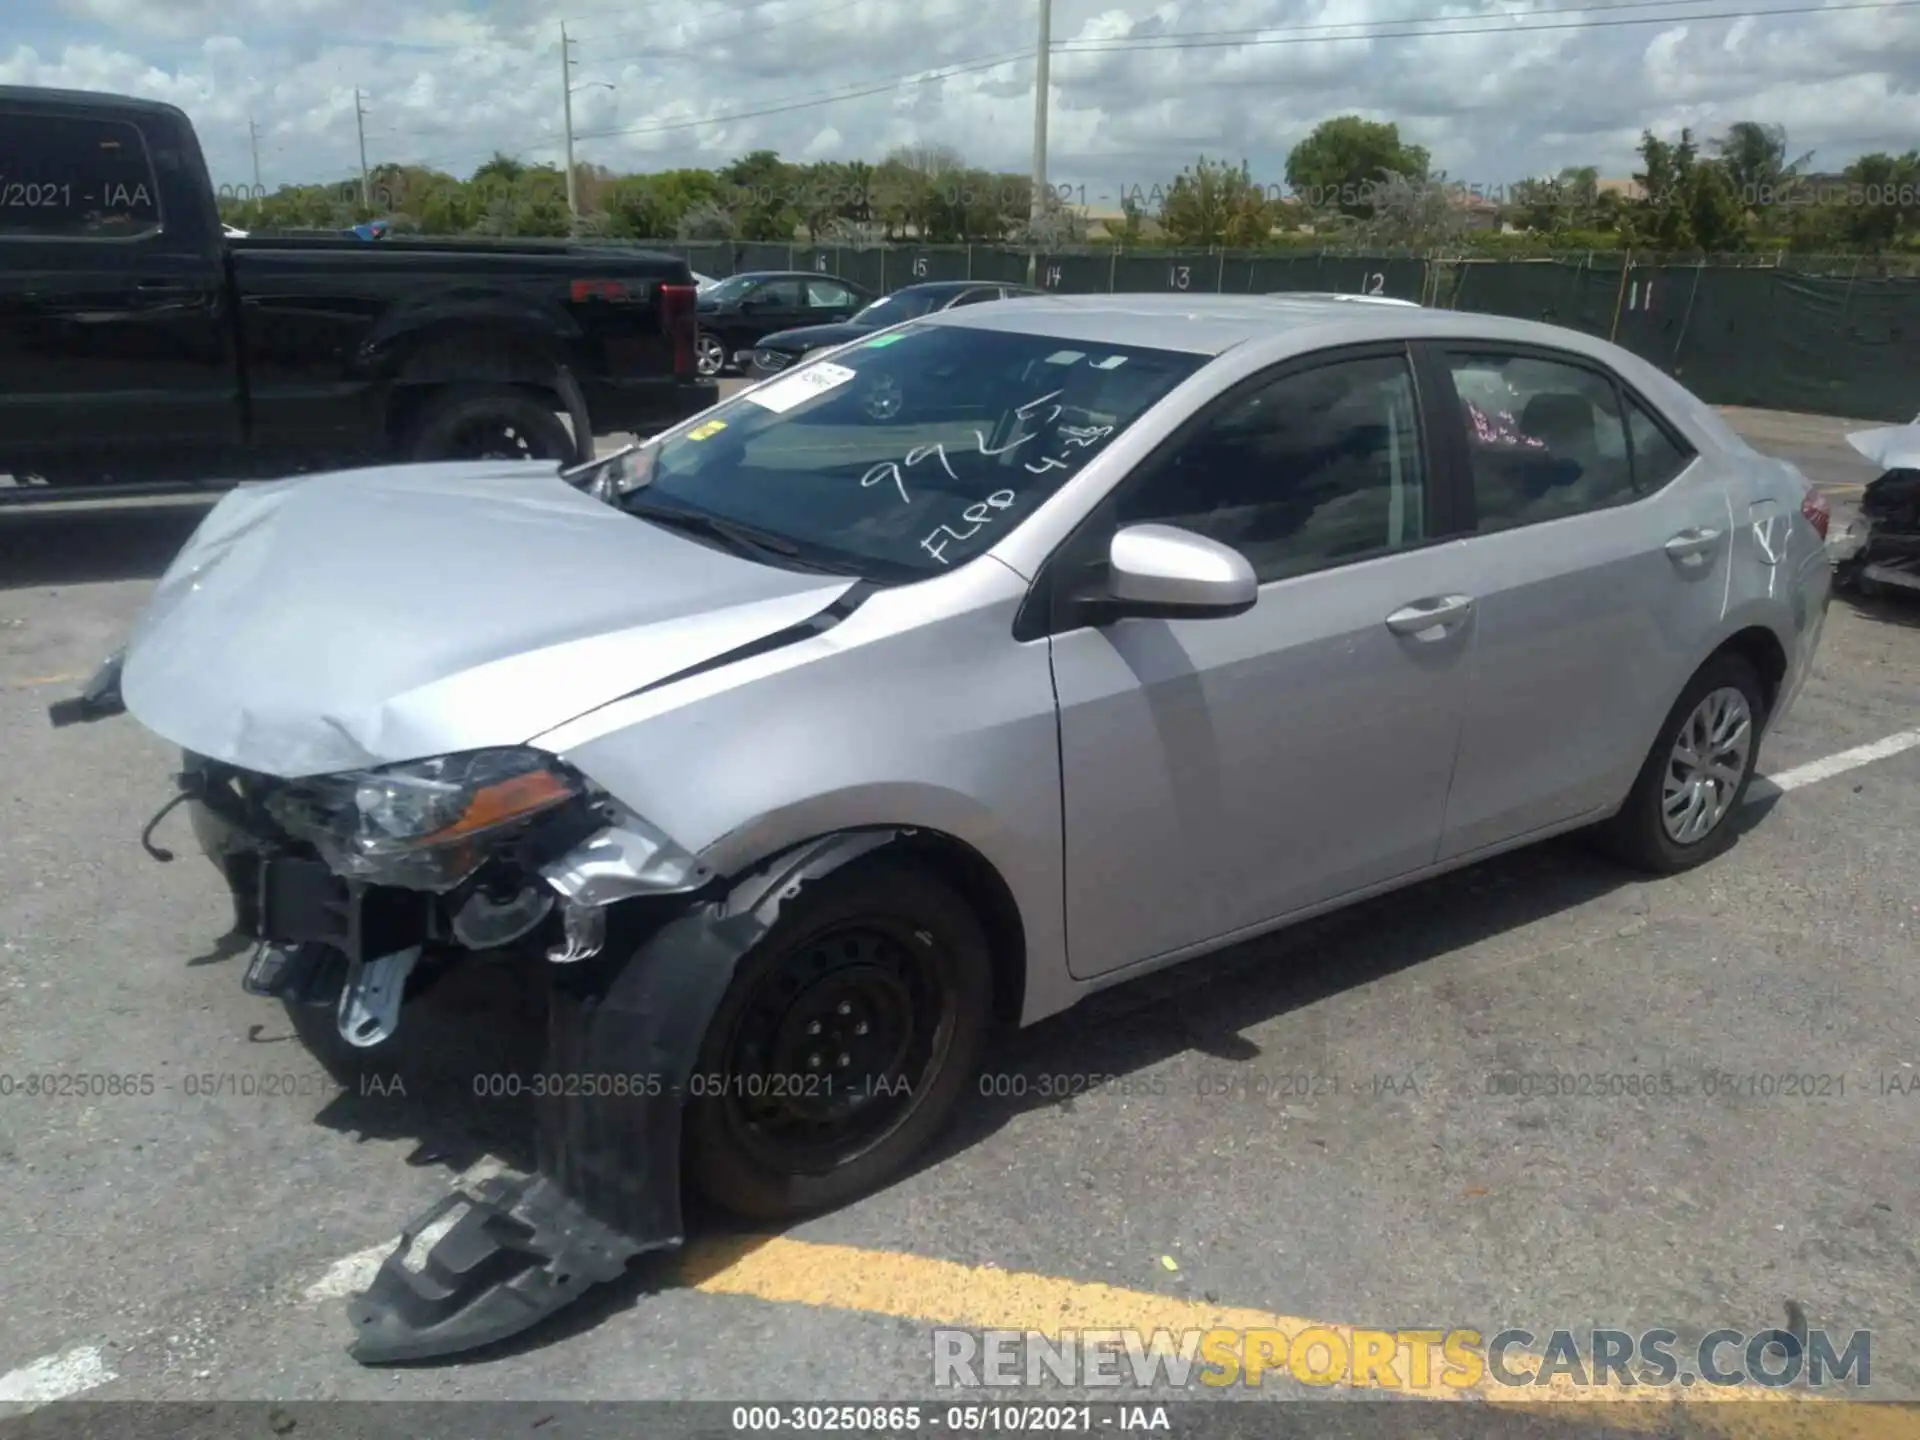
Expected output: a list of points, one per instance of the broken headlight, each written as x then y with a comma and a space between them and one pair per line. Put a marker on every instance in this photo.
427, 824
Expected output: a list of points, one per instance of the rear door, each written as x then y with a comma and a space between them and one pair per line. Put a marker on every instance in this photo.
1601, 554
828, 301
114, 324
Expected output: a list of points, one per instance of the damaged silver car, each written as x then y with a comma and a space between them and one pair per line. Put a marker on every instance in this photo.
931, 685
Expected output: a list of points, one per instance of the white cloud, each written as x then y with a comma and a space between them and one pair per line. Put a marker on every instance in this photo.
448, 82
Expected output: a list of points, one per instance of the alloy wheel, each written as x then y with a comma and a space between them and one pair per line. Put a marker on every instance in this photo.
709, 356
1706, 766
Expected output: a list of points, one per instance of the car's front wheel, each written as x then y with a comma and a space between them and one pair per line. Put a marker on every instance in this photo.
1680, 811
844, 1042
709, 355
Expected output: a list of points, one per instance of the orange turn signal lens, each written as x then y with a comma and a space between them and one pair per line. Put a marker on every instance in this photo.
504, 802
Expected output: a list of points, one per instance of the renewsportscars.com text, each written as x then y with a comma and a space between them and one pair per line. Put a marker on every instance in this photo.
1414, 1359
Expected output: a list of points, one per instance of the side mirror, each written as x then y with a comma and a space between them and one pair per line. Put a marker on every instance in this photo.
1164, 572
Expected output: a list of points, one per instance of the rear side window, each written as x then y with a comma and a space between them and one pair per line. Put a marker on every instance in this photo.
68, 178
1656, 459
1546, 439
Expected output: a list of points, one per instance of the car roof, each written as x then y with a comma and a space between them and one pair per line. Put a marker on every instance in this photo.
794, 275
942, 287
88, 99
1213, 324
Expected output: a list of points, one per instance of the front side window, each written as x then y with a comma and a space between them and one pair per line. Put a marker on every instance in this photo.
907, 455
68, 178
776, 295
1546, 438
1317, 468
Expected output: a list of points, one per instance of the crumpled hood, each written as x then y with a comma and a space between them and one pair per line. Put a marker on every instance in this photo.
1891, 447
366, 617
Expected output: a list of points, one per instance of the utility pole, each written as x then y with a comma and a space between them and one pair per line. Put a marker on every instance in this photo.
1041, 84
253, 140
566, 110
360, 124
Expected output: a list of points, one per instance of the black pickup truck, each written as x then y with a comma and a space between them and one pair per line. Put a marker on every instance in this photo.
142, 349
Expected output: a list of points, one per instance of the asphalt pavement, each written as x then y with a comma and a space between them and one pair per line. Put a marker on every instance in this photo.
1351, 1123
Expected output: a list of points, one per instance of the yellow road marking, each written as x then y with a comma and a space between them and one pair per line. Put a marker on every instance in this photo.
33, 680
983, 1297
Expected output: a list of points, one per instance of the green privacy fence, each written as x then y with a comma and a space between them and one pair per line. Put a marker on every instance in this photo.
1834, 338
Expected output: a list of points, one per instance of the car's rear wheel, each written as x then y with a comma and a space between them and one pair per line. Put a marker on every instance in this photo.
844, 1042
1680, 811
489, 422
709, 355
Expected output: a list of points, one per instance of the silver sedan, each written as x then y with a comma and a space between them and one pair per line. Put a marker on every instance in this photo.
802, 745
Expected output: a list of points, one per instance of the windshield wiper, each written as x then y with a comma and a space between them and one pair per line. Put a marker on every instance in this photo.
740, 537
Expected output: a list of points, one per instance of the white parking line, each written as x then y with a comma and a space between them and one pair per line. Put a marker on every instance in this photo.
54, 1377
1764, 787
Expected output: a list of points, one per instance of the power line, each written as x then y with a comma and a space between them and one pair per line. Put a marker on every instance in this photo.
1097, 47
1124, 45
1218, 39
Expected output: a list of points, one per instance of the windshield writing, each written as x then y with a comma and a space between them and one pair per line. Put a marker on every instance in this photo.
915, 451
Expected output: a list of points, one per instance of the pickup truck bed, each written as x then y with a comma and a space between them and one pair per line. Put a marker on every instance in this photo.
141, 348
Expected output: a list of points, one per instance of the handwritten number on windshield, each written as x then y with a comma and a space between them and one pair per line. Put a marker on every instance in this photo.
975, 515
890, 470
887, 469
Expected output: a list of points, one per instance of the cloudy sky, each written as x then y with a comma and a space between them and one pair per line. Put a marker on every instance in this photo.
678, 82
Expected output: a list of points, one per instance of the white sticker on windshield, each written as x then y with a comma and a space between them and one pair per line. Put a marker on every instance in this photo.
1112, 362
1066, 357
801, 386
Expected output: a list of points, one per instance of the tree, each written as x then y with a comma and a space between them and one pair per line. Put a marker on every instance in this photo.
1344, 159
1412, 212
761, 190
1689, 203
1755, 159
1881, 204
1214, 203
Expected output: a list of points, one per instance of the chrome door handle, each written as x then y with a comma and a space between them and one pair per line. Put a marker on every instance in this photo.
1689, 544
1430, 619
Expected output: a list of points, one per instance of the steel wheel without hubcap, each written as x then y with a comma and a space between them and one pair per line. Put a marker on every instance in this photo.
836, 1046
709, 356
1706, 766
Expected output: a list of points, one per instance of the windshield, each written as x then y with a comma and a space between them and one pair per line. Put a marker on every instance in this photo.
892, 309
911, 453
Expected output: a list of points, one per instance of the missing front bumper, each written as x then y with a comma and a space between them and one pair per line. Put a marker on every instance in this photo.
622, 1040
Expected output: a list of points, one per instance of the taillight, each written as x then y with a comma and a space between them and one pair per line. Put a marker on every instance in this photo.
1817, 511
677, 321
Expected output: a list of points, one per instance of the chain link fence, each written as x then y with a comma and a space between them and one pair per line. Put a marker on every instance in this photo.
1832, 334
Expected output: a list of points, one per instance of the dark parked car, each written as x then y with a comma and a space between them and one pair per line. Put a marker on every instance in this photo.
742, 309
777, 351
143, 347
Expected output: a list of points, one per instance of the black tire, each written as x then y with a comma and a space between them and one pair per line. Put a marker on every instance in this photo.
473, 422
1636, 836
884, 917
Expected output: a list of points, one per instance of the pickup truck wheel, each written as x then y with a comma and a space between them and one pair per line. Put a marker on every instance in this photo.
494, 422
847, 1037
